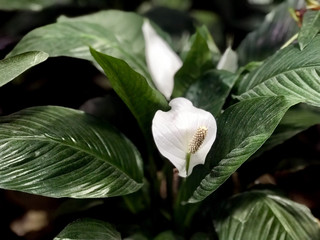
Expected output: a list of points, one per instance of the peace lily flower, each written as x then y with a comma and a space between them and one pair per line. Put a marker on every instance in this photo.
184, 134
162, 61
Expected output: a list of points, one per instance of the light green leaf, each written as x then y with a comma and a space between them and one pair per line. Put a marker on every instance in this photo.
290, 72
116, 33
211, 90
142, 99
60, 152
277, 28
265, 215
309, 29
34, 5
12, 67
242, 129
88, 229
199, 58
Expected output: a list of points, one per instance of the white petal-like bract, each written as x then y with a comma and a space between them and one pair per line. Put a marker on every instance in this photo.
228, 61
184, 134
162, 61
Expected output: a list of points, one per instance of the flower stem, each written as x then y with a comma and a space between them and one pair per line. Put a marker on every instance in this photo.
188, 156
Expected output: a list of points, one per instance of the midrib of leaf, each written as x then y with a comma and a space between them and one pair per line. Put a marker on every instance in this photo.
42, 138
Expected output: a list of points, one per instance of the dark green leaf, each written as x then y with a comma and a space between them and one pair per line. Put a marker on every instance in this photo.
199, 59
296, 120
116, 33
133, 89
265, 215
61, 152
167, 235
242, 129
277, 28
12, 67
309, 29
211, 91
290, 72
88, 229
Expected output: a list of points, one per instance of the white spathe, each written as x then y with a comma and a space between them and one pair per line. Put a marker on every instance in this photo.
173, 131
162, 61
228, 61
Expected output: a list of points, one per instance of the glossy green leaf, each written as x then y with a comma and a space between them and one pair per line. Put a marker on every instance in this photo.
265, 215
88, 229
142, 99
199, 58
12, 67
61, 152
211, 91
277, 28
296, 120
242, 129
116, 33
309, 29
290, 72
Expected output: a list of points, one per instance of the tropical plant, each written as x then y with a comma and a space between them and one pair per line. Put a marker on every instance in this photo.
208, 112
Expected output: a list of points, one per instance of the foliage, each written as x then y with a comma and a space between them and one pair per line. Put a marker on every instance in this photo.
61, 152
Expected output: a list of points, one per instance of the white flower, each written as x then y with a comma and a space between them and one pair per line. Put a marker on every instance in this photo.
228, 61
162, 61
184, 134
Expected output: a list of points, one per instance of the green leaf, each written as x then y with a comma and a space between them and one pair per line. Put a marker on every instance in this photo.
211, 91
290, 72
34, 5
277, 28
167, 235
116, 33
242, 129
133, 89
296, 120
60, 152
88, 229
199, 59
12, 67
265, 215
309, 29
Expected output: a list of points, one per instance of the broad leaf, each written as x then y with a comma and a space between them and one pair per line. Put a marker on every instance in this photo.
290, 72
133, 89
113, 32
61, 152
34, 5
88, 229
277, 28
12, 67
242, 129
211, 91
296, 120
199, 59
265, 215
167, 235
309, 29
